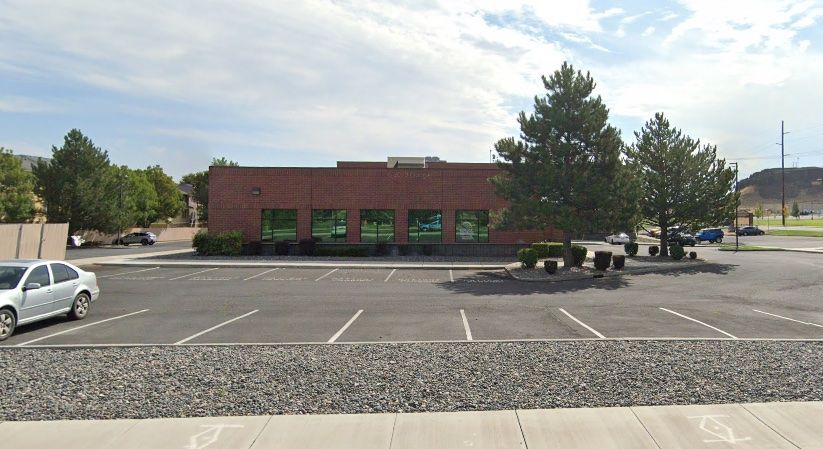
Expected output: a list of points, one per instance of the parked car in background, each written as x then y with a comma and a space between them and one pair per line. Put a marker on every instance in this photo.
144, 238
434, 225
750, 230
682, 239
620, 238
33, 290
75, 241
711, 235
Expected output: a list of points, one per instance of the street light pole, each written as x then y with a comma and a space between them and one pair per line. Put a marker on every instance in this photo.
736, 205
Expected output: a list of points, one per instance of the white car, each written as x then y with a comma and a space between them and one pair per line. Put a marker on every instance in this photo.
33, 290
618, 239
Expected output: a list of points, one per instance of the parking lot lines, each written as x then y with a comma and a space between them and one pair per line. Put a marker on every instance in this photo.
787, 318
260, 274
216, 327
390, 275
81, 327
330, 272
699, 322
192, 274
599, 335
127, 272
451, 277
345, 326
466, 325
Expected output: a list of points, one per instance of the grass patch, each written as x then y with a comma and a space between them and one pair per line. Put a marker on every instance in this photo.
795, 233
730, 247
789, 222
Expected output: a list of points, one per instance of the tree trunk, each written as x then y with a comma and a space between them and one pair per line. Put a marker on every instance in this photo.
568, 258
664, 228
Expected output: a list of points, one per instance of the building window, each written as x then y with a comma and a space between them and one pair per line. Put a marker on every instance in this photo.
279, 224
328, 225
425, 226
376, 225
472, 226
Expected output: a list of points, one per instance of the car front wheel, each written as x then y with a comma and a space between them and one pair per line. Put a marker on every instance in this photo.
144, 242
719, 240
82, 304
7, 323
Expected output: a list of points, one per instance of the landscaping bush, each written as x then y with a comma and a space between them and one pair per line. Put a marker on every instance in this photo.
527, 257
602, 260
550, 266
619, 261
677, 252
548, 249
631, 248
653, 250
579, 254
404, 250
228, 243
428, 250
692, 255
381, 249
308, 247
555, 249
281, 248
357, 251
252, 249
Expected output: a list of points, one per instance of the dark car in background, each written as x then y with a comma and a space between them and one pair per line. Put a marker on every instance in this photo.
682, 239
750, 230
710, 235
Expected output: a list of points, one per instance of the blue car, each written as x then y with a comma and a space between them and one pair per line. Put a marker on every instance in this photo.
711, 235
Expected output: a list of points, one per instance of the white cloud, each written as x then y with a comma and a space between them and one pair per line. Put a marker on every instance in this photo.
20, 104
647, 32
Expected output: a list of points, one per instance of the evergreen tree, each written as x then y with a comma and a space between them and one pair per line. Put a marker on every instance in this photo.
78, 185
16, 190
565, 171
200, 186
795, 210
682, 182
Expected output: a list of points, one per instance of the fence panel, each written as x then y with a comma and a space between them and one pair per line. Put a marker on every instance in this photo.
8, 240
29, 241
54, 241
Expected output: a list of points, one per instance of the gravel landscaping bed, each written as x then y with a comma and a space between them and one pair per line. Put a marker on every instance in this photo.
634, 265
152, 382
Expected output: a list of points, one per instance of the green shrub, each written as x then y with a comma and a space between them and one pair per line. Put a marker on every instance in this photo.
527, 257
555, 249
579, 254
548, 249
677, 252
653, 250
631, 248
602, 260
692, 255
281, 248
619, 261
228, 243
308, 247
356, 251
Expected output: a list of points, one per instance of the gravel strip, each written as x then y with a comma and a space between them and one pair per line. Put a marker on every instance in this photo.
153, 382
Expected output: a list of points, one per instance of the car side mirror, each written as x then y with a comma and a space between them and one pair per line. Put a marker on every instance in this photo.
31, 286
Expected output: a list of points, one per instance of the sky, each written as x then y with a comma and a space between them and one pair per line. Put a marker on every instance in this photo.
308, 83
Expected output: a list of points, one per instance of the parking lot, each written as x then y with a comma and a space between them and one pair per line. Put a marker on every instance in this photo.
748, 298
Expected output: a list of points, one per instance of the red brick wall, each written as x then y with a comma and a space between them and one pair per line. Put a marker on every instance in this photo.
447, 187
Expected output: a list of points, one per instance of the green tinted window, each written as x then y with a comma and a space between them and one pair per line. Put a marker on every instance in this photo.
425, 226
472, 226
376, 225
279, 224
328, 225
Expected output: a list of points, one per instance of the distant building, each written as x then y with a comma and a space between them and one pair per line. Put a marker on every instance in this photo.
189, 213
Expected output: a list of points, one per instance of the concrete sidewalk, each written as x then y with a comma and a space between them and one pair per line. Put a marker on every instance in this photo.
769, 425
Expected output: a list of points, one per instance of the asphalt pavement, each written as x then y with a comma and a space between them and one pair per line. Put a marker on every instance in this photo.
119, 250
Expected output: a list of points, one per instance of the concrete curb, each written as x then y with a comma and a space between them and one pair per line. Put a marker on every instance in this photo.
614, 273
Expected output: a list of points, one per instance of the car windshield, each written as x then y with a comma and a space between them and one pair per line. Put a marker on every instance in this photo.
10, 276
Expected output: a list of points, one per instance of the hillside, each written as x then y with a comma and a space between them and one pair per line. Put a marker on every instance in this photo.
27, 161
802, 185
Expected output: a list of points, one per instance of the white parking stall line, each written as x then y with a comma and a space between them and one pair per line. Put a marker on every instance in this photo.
128, 272
699, 322
787, 318
345, 326
216, 327
466, 325
81, 327
390, 275
451, 279
599, 335
192, 274
260, 274
330, 272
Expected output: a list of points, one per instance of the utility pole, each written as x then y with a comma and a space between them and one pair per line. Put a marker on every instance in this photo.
736, 206
782, 175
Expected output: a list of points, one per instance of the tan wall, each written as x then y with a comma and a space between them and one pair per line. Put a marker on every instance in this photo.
163, 234
33, 241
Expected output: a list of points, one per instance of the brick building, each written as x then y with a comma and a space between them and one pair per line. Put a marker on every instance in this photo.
404, 201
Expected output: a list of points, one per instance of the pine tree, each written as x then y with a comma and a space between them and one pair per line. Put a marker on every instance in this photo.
682, 182
795, 210
565, 171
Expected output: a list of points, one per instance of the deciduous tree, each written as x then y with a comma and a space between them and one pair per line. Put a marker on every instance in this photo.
16, 190
169, 201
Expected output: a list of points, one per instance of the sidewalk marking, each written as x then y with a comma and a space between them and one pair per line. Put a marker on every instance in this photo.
260, 274
390, 275
466, 325
451, 278
216, 327
210, 435
192, 274
81, 327
330, 272
345, 326
599, 335
787, 318
699, 322
722, 432
128, 272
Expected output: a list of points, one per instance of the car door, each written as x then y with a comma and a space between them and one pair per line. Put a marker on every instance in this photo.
64, 286
37, 302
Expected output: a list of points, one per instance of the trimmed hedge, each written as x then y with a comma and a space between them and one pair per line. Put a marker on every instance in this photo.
677, 252
692, 255
602, 260
228, 243
359, 251
308, 247
619, 261
527, 257
653, 250
548, 249
631, 248
281, 247
579, 254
